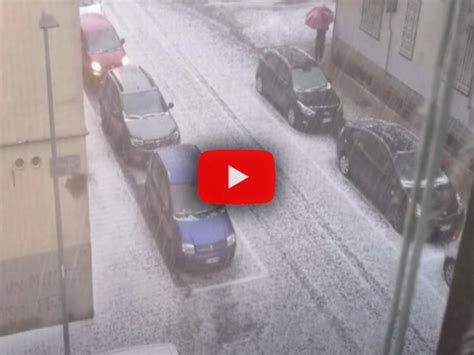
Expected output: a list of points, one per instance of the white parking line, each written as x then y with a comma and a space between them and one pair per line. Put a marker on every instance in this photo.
198, 290
262, 274
240, 236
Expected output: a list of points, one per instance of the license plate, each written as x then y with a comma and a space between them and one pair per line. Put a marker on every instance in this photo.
445, 227
327, 120
212, 260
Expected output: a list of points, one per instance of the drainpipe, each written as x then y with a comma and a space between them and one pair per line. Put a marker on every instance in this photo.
389, 49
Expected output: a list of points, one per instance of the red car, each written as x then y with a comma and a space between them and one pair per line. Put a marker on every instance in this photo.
102, 49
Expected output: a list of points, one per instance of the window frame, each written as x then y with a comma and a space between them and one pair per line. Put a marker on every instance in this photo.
367, 12
408, 39
465, 70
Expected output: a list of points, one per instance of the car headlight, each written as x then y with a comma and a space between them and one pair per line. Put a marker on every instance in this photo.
136, 142
188, 248
306, 111
96, 66
231, 239
125, 60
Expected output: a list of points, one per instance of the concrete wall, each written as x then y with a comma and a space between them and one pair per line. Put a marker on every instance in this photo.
383, 55
29, 291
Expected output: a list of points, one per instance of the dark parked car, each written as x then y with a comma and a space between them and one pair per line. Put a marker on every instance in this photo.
135, 114
102, 49
380, 158
191, 234
292, 80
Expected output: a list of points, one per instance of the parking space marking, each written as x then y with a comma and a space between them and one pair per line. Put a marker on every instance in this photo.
253, 253
200, 290
260, 275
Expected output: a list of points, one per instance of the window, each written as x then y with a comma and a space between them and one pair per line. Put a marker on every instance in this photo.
371, 20
409, 29
464, 73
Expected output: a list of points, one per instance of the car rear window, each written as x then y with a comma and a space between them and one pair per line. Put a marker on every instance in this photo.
308, 78
102, 41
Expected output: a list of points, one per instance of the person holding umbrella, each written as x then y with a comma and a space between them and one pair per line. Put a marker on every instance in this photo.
319, 44
319, 18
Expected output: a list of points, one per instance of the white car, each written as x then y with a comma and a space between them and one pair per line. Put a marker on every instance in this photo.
90, 7
451, 253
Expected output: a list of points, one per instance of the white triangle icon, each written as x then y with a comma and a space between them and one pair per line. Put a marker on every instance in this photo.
234, 176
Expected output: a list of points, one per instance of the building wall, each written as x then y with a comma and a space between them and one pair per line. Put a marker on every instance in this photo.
28, 254
415, 75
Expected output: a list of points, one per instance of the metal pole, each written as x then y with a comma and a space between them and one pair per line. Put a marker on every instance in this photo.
429, 157
57, 200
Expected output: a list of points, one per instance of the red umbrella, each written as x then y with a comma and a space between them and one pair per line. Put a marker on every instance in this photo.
319, 17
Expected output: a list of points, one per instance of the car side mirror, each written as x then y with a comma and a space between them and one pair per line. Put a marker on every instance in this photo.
170, 105
122, 41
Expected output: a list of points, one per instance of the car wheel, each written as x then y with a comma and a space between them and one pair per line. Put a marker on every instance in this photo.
344, 164
448, 270
259, 85
294, 119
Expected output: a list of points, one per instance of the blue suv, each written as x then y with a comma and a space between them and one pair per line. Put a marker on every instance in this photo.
191, 234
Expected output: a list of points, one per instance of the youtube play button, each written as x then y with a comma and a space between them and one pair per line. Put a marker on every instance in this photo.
236, 176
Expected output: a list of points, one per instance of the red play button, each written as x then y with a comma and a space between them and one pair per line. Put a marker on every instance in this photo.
236, 176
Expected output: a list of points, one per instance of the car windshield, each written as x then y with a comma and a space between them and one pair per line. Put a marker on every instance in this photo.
187, 204
143, 103
88, 2
308, 78
102, 41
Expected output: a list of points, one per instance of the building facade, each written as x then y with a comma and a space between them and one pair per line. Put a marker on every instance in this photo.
29, 286
391, 46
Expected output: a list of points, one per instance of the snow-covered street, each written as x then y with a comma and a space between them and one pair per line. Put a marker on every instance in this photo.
314, 270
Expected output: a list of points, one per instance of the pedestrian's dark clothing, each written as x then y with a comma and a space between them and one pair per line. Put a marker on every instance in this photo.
319, 45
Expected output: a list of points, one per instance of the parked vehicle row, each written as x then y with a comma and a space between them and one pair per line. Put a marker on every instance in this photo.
378, 156
138, 121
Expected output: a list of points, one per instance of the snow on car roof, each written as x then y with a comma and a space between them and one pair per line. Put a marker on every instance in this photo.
180, 161
395, 136
94, 22
133, 79
296, 57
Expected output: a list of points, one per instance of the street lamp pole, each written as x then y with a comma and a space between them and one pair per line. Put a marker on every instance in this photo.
46, 22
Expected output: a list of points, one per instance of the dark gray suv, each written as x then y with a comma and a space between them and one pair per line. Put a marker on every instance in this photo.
135, 115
